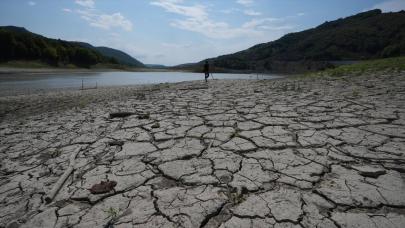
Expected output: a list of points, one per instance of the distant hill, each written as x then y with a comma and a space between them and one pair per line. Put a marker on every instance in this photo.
15, 29
122, 57
367, 35
156, 66
17, 43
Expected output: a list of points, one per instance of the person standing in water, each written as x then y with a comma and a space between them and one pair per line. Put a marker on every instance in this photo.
206, 70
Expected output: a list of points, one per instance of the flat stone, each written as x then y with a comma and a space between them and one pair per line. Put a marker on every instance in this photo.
369, 171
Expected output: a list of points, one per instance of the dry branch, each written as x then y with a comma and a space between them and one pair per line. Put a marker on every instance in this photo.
63, 178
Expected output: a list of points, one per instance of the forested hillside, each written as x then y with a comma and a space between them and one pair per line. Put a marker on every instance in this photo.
121, 57
19, 44
367, 35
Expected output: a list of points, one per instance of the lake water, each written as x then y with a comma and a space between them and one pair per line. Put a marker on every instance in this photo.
10, 82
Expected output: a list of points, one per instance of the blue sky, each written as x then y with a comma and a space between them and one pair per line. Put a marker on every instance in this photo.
172, 32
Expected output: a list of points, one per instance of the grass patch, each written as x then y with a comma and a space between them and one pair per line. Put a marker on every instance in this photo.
36, 64
235, 134
363, 67
25, 64
355, 93
112, 213
234, 196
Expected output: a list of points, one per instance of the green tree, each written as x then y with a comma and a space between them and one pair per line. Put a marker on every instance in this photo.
85, 57
7, 46
390, 51
51, 55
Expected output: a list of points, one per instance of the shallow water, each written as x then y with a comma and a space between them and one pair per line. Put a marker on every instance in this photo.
12, 82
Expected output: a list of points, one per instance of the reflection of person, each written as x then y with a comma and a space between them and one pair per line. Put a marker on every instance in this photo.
206, 70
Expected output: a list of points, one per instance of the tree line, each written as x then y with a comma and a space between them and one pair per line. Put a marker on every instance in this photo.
368, 35
23, 45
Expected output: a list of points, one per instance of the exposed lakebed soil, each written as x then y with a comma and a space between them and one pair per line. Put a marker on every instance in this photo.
234, 153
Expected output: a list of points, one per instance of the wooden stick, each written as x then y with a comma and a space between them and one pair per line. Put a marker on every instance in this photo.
63, 178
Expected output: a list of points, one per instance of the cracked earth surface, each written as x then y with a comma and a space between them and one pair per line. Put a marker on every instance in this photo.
238, 153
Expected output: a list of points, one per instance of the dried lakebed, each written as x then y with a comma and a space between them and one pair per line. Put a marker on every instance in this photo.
283, 153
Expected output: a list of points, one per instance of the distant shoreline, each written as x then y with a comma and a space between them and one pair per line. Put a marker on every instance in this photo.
18, 70
50, 70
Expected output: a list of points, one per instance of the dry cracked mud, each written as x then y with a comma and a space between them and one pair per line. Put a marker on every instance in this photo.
240, 153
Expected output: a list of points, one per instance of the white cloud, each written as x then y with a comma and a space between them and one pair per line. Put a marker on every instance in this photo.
212, 29
256, 22
266, 24
300, 14
172, 6
231, 10
66, 10
245, 2
390, 6
251, 12
105, 21
99, 19
86, 3
31, 3
197, 20
114, 20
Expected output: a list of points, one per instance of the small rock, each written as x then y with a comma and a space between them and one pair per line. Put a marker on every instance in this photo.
120, 114
116, 143
370, 171
144, 116
103, 187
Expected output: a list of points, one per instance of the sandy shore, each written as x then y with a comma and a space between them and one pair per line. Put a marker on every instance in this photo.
233, 153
